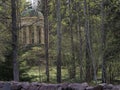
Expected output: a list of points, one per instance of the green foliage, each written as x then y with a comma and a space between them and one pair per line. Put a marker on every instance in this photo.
6, 67
33, 57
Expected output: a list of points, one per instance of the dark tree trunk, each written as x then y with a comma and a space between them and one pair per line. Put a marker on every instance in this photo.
73, 68
58, 42
90, 62
103, 43
15, 41
80, 41
46, 29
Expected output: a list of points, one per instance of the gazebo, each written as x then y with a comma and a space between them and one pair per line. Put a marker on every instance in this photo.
32, 28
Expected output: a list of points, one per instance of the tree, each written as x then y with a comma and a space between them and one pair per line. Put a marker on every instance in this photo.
89, 52
58, 42
88, 59
112, 39
73, 67
46, 29
14, 40
80, 39
103, 42
6, 59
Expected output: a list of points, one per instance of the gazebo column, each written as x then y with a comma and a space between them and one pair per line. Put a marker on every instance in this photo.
35, 35
21, 36
42, 35
27, 35
30, 35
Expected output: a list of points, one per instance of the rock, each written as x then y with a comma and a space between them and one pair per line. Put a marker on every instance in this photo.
1, 84
53, 87
99, 87
59, 88
89, 88
103, 84
36, 84
64, 86
16, 86
33, 87
108, 87
7, 86
85, 84
116, 87
76, 86
25, 85
50, 87
43, 87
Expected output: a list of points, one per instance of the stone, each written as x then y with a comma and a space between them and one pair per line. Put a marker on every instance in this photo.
64, 86
108, 87
116, 87
85, 84
99, 87
43, 87
103, 84
50, 87
59, 88
1, 84
76, 86
89, 88
7, 86
16, 86
33, 87
35, 83
25, 85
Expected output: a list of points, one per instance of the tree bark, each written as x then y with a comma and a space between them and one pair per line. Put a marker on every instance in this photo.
73, 68
14, 41
88, 61
89, 53
58, 42
103, 43
46, 29
80, 41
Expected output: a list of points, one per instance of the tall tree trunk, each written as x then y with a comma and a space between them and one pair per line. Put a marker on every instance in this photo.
58, 42
80, 41
80, 47
46, 29
73, 68
90, 47
89, 53
15, 41
103, 43
88, 61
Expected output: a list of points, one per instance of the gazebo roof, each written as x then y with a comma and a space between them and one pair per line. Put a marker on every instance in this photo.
30, 12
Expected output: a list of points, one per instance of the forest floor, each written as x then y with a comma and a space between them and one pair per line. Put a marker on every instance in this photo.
39, 75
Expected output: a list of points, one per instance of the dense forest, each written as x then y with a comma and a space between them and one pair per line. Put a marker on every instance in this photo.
81, 41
